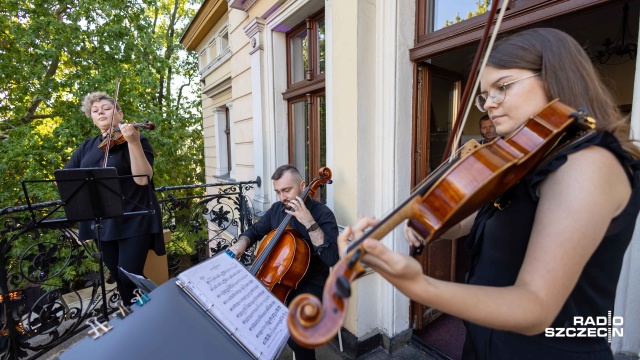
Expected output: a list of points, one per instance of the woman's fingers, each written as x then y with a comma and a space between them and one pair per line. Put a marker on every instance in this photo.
343, 241
377, 256
363, 223
388, 263
411, 236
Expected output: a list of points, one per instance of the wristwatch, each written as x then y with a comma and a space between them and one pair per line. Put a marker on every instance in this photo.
313, 227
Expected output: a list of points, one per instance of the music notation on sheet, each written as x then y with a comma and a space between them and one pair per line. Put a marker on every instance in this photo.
241, 303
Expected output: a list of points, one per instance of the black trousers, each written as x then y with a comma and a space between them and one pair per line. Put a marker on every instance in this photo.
129, 254
312, 287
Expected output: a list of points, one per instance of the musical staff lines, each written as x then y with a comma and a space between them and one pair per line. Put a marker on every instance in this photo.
240, 303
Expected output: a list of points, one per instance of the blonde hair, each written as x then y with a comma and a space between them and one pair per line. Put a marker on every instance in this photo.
91, 98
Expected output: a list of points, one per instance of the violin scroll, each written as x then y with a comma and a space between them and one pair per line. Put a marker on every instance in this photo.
117, 138
312, 323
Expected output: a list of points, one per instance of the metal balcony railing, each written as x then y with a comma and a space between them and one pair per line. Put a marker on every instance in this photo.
49, 281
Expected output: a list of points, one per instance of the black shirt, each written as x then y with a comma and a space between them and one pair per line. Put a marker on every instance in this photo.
136, 197
498, 243
323, 256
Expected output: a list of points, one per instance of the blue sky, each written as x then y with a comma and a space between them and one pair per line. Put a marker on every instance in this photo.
447, 9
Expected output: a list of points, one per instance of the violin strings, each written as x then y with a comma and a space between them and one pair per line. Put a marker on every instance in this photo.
432, 174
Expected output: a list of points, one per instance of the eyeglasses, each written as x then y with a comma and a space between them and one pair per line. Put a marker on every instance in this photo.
497, 94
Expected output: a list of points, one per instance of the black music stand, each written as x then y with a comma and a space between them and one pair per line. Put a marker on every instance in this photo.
91, 194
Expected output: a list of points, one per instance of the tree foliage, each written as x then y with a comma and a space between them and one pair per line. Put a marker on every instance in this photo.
482, 7
53, 52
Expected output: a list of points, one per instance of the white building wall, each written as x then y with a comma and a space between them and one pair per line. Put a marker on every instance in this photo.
368, 106
628, 294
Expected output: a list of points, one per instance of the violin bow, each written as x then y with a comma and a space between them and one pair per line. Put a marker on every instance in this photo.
312, 323
474, 78
110, 131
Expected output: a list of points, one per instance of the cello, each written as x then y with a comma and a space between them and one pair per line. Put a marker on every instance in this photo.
283, 255
449, 195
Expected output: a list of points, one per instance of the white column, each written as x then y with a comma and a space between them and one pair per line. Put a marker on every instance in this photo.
220, 121
394, 38
628, 294
232, 173
328, 33
261, 143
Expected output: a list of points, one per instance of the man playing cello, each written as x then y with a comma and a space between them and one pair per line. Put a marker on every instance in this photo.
316, 224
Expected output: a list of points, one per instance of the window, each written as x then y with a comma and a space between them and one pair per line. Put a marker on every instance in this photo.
434, 15
223, 41
212, 49
308, 135
227, 133
306, 52
224, 140
438, 96
216, 52
305, 96
202, 59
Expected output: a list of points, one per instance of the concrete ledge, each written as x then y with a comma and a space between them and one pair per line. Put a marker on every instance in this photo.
354, 348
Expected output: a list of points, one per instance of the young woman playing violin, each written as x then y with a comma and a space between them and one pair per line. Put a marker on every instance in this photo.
125, 241
551, 247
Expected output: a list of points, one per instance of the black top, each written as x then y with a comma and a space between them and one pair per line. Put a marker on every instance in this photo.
323, 256
136, 197
498, 242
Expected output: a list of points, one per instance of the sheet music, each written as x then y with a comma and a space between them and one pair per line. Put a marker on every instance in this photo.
141, 282
239, 301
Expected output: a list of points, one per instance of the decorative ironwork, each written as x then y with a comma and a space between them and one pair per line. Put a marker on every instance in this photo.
205, 223
49, 281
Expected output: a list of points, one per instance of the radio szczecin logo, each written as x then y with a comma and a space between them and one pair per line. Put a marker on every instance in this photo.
589, 326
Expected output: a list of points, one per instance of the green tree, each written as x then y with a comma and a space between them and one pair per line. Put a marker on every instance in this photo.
482, 7
53, 52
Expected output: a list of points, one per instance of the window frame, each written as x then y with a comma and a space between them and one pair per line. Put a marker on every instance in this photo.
310, 89
313, 80
519, 13
313, 131
206, 61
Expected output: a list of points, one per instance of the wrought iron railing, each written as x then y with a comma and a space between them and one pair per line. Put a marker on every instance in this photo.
49, 281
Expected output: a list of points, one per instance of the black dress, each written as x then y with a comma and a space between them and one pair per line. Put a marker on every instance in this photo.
137, 198
498, 242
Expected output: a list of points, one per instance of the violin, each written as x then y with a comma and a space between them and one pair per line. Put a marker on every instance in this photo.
450, 194
117, 138
283, 256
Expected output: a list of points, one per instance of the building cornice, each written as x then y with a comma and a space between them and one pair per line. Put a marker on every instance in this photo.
218, 88
243, 5
205, 19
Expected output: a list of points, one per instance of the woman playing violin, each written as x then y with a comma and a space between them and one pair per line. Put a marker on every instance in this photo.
125, 241
550, 249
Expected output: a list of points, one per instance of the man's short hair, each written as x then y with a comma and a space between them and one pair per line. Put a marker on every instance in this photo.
284, 169
483, 118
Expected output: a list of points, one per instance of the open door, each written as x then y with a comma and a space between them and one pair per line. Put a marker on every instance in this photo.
438, 93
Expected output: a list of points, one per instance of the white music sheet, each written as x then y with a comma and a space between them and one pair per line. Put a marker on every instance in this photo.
240, 303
